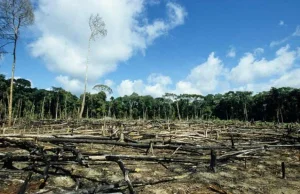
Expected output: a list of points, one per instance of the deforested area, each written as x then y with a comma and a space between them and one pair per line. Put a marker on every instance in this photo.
154, 156
149, 96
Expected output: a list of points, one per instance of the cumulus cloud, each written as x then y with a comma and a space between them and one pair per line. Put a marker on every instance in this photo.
251, 73
69, 84
205, 77
62, 34
249, 68
155, 78
231, 53
156, 86
186, 87
290, 79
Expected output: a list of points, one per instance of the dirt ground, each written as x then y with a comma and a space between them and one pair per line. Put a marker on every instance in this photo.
259, 172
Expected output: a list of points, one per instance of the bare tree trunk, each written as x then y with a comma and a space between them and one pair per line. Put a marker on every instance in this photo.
12, 81
60, 113
43, 107
65, 108
130, 109
56, 109
85, 81
277, 114
109, 109
32, 111
245, 112
159, 112
281, 115
177, 105
49, 111
18, 109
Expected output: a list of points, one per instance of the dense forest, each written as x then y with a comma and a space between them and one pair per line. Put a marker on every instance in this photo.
278, 104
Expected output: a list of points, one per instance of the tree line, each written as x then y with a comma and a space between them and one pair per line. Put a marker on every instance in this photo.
276, 105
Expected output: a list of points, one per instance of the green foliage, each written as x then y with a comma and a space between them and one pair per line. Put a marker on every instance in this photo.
276, 105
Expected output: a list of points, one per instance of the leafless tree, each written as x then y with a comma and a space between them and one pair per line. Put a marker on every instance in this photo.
14, 14
97, 27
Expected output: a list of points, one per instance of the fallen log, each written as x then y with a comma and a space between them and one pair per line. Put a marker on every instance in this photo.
147, 158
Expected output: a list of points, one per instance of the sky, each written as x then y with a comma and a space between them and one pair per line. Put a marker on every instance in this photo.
158, 46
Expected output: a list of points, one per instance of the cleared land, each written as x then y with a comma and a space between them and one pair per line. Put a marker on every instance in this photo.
149, 157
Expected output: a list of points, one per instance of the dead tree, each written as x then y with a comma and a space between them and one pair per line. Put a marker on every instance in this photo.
97, 27
14, 14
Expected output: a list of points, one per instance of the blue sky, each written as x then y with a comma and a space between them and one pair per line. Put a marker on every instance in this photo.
156, 46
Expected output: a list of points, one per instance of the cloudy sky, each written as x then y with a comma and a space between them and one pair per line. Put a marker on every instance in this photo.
158, 46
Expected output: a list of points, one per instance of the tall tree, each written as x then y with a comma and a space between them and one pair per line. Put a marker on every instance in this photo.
97, 27
105, 88
175, 98
14, 14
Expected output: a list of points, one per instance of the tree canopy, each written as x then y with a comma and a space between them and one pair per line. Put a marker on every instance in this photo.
278, 104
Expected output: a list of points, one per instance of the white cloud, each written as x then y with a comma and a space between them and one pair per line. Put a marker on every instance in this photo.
231, 53
251, 74
69, 84
206, 76
62, 34
281, 23
155, 78
153, 2
186, 87
249, 68
279, 42
109, 83
156, 86
290, 79
258, 51
127, 87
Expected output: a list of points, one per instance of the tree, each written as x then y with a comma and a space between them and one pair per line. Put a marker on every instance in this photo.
14, 14
175, 98
104, 88
97, 27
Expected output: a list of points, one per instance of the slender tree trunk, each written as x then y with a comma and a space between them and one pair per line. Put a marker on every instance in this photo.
56, 109
12, 81
43, 108
18, 109
281, 115
65, 108
85, 81
32, 110
159, 112
227, 115
177, 105
245, 112
60, 113
109, 109
49, 111
130, 109
277, 114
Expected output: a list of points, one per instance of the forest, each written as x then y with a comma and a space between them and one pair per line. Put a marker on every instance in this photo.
277, 105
